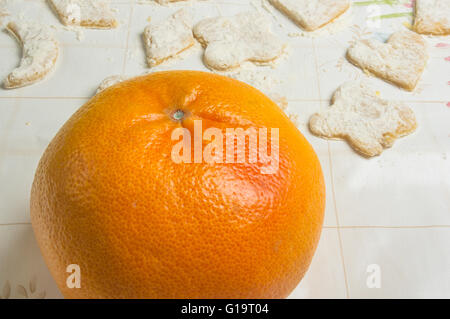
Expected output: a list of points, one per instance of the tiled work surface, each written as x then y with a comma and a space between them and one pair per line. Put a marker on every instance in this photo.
392, 211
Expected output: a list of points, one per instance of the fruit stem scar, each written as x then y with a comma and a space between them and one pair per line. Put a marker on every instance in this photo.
178, 115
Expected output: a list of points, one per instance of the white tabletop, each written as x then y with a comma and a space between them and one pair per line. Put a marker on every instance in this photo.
392, 211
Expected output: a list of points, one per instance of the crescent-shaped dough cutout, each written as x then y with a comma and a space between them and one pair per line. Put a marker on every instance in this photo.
39, 54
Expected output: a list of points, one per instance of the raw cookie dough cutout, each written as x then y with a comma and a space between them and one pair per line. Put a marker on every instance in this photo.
39, 54
432, 17
367, 122
85, 13
400, 61
169, 38
110, 81
312, 15
231, 41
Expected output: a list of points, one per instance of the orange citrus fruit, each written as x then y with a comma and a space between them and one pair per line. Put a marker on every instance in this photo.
109, 197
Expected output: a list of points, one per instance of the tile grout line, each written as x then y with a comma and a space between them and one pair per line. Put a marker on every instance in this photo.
216, 6
338, 227
130, 19
90, 45
341, 249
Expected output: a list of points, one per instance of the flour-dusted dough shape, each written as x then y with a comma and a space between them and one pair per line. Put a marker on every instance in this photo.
400, 61
169, 38
110, 81
367, 122
39, 54
85, 13
231, 41
312, 15
432, 17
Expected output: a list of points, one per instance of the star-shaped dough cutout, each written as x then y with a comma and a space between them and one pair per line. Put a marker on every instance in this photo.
367, 122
